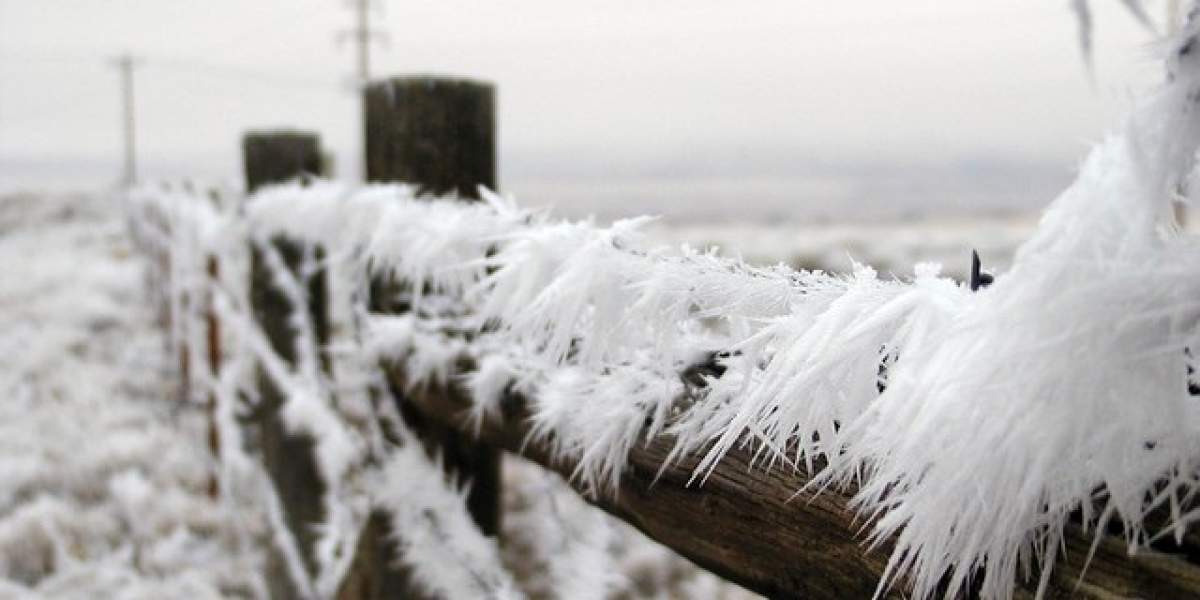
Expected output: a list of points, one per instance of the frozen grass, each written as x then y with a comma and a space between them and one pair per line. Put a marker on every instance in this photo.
105, 475
106, 470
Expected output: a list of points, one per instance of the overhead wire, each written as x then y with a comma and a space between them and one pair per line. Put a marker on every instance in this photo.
229, 72
259, 76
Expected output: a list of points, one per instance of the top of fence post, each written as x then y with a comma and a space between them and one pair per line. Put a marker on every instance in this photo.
436, 132
274, 156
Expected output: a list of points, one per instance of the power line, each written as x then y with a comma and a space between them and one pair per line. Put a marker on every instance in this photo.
260, 76
363, 34
233, 73
227, 71
125, 65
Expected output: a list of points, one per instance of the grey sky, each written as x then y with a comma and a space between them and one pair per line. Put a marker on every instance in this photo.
597, 98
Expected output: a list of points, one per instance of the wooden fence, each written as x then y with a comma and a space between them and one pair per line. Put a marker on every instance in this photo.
744, 523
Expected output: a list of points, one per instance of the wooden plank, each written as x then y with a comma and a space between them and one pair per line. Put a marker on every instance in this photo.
744, 524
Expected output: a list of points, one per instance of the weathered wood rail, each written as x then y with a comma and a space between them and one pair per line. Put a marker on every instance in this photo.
745, 524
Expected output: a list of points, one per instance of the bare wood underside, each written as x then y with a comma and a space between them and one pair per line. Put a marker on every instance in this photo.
744, 524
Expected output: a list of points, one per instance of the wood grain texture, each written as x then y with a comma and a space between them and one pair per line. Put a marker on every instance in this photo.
745, 525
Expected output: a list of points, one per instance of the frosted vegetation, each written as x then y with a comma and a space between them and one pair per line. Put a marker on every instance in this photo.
973, 422
104, 487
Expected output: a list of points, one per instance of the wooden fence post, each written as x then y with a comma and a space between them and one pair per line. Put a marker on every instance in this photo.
272, 157
440, 134
279, 155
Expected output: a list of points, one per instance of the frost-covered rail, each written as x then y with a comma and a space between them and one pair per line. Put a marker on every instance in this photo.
750, 526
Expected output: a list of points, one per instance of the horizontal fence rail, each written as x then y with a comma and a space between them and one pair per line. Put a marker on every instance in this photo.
749, 524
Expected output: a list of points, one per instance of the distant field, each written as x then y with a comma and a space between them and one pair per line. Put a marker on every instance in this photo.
892, 248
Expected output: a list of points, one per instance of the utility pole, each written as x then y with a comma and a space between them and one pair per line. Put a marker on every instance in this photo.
363, 34
125, 64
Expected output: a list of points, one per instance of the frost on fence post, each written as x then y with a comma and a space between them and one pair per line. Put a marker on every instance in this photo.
439, 134
288, 458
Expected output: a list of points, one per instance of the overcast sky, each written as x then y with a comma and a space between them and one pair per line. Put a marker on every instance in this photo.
652, 99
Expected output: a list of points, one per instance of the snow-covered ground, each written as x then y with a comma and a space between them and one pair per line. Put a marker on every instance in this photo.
103, 471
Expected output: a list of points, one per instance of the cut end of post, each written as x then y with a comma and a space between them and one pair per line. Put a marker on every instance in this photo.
278, 155
436, 132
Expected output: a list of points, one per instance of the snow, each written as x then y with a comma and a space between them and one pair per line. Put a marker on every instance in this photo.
101, 495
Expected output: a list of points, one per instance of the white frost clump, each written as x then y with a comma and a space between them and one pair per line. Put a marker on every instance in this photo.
434, 532
488, 385
1063, 386
595, 419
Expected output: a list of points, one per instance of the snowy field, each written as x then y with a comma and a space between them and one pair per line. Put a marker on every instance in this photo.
892, 248
105, 474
